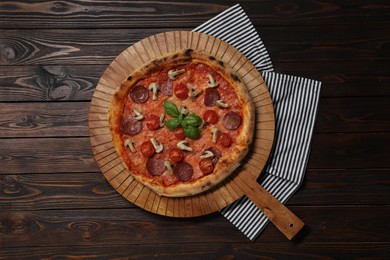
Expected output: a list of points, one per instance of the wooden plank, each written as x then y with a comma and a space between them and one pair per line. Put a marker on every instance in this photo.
44, 119
343, 250
71, 14
49, 82
159, 251
347, 45
367, 114
339, 187
58, 191
46, 155
208, 251
362, 79
350, 150
65, 47
88, 227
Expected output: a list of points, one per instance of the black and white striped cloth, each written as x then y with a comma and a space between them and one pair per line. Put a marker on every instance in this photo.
295, 102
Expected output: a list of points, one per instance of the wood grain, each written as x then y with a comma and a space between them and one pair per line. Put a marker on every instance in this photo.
376, 250
35, 120
48, 83
76, 14
58, 191
53, 47
370, 80
339, 187
353, 150
348, 114
83, 227
46, 155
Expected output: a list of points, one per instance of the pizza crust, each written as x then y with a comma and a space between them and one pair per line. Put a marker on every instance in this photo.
228, 162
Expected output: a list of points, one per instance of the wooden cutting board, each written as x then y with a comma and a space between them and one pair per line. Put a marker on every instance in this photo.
243, 181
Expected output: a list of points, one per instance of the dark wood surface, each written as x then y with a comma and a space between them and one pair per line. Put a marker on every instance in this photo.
54, 202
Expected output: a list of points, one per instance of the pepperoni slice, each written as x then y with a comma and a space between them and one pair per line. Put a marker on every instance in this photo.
231, 120
183, 171
216, 152
131, 126
155, 166
139, 94
166, 88
211, 96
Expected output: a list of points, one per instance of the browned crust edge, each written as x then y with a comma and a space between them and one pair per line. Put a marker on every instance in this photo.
227, 163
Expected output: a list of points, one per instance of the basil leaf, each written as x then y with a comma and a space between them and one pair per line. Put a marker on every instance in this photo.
192, 120
171, 109
183, 124
192, 132
172, 123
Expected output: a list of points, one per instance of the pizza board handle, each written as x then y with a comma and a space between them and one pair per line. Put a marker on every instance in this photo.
286, 221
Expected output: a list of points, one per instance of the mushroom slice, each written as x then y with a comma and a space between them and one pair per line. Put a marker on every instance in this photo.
173, 73
168, 166
184, 110
202, 125
214, 132
162, 119
183, 145
130, 144
212, 83
207, 154
194, 93
221, 103
138, 115
154, 87
157, 145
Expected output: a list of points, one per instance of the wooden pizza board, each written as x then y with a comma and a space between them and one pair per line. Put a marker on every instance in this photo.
242, 181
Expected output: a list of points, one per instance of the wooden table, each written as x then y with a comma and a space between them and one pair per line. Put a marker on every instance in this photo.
54, 200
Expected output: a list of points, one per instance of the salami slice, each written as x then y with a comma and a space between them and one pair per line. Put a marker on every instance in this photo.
216, 152
211, 96
231, 120
139, 94
155, 166
166, 88
183, 171
131, 126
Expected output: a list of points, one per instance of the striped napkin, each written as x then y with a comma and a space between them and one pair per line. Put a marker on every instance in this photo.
295, 102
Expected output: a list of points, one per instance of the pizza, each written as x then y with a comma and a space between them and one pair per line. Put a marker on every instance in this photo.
182, 123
